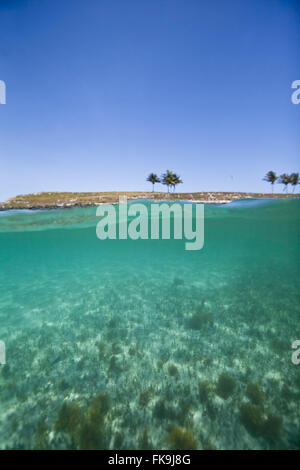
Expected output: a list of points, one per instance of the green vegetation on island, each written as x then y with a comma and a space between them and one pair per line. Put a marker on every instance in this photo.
48, 200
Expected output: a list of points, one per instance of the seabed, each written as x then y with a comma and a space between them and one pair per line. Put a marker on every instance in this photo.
142, 345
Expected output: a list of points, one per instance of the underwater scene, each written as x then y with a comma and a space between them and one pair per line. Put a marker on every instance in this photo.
141, 344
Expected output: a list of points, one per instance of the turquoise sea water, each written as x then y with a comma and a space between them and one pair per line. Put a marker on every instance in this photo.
125, 344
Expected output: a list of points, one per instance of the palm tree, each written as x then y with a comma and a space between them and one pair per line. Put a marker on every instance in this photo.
153, 178
294, 177
175, 180
167, 179
170, 179
271, 178
285, 179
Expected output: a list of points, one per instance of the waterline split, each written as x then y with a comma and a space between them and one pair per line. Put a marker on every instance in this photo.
159, 217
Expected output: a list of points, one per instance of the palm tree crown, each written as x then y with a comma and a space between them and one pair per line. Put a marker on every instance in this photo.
166, 179
153, 178
294, 180
170, 179
285, 179
270, 177
176, 180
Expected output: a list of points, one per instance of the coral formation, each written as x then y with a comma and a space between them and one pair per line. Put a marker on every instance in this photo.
163, 411
181, 439
272, 427
145, 441
177, 282
93, 435
255, 394
200, 320
254, 420
145, 397
172, 370
85, 429
69, 420
204, 390
225, 386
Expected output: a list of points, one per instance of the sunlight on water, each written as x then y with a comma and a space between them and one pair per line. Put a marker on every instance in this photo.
126, 344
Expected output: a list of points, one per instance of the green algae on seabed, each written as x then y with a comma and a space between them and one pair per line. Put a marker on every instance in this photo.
141, 344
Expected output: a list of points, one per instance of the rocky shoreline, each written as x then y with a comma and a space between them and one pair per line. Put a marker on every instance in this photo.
58, 200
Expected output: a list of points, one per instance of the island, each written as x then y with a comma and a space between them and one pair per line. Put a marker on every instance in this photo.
52, 200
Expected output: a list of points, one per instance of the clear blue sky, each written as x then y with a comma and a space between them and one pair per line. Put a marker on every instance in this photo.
102, 92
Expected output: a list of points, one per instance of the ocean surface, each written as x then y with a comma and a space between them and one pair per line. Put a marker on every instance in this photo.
140, 344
